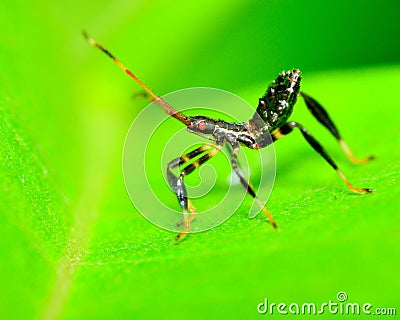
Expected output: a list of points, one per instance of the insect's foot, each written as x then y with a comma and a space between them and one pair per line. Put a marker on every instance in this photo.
351, 155
360, 190
362, 161
268, 215
350, 186
184, 232
180, 236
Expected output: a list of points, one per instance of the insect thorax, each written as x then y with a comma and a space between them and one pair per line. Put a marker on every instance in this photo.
276, 106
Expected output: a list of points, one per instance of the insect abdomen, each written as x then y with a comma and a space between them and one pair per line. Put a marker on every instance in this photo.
276, 106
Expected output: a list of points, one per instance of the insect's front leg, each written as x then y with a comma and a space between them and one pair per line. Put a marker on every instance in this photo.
247, 185
323, 117
177, 183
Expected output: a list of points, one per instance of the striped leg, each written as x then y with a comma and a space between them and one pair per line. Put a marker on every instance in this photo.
161, 102
247, 185
177, 184
288, 127
173, 180
322, 116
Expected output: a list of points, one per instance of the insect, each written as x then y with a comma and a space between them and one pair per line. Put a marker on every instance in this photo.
269, 123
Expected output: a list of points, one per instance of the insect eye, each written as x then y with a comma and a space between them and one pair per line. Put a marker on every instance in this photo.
202, 125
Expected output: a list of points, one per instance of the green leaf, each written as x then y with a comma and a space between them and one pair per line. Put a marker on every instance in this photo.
73, 246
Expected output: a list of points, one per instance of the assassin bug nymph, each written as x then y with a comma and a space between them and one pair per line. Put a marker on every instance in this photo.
269, 123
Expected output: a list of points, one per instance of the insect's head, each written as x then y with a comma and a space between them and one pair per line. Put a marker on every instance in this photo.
201, 125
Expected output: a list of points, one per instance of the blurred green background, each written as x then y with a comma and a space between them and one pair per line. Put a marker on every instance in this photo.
72, 245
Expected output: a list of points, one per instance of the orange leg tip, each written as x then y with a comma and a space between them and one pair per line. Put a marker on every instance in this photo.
351, 156
361, 190
274, 225
362, 161
180, 236
365, 190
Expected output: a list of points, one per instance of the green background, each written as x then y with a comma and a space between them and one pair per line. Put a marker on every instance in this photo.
72, 245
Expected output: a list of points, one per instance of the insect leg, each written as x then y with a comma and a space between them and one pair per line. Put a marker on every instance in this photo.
178, 185
161, 102
288, 127
247, 185
322, 116
143, 94
173, 180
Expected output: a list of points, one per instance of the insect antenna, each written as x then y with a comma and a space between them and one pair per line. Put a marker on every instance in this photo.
165, 105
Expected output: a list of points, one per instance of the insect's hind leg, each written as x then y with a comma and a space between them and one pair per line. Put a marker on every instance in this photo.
288, 127
177, 184
247, 185
323, 117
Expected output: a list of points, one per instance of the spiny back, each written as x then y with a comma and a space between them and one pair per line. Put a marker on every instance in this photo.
276, 106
